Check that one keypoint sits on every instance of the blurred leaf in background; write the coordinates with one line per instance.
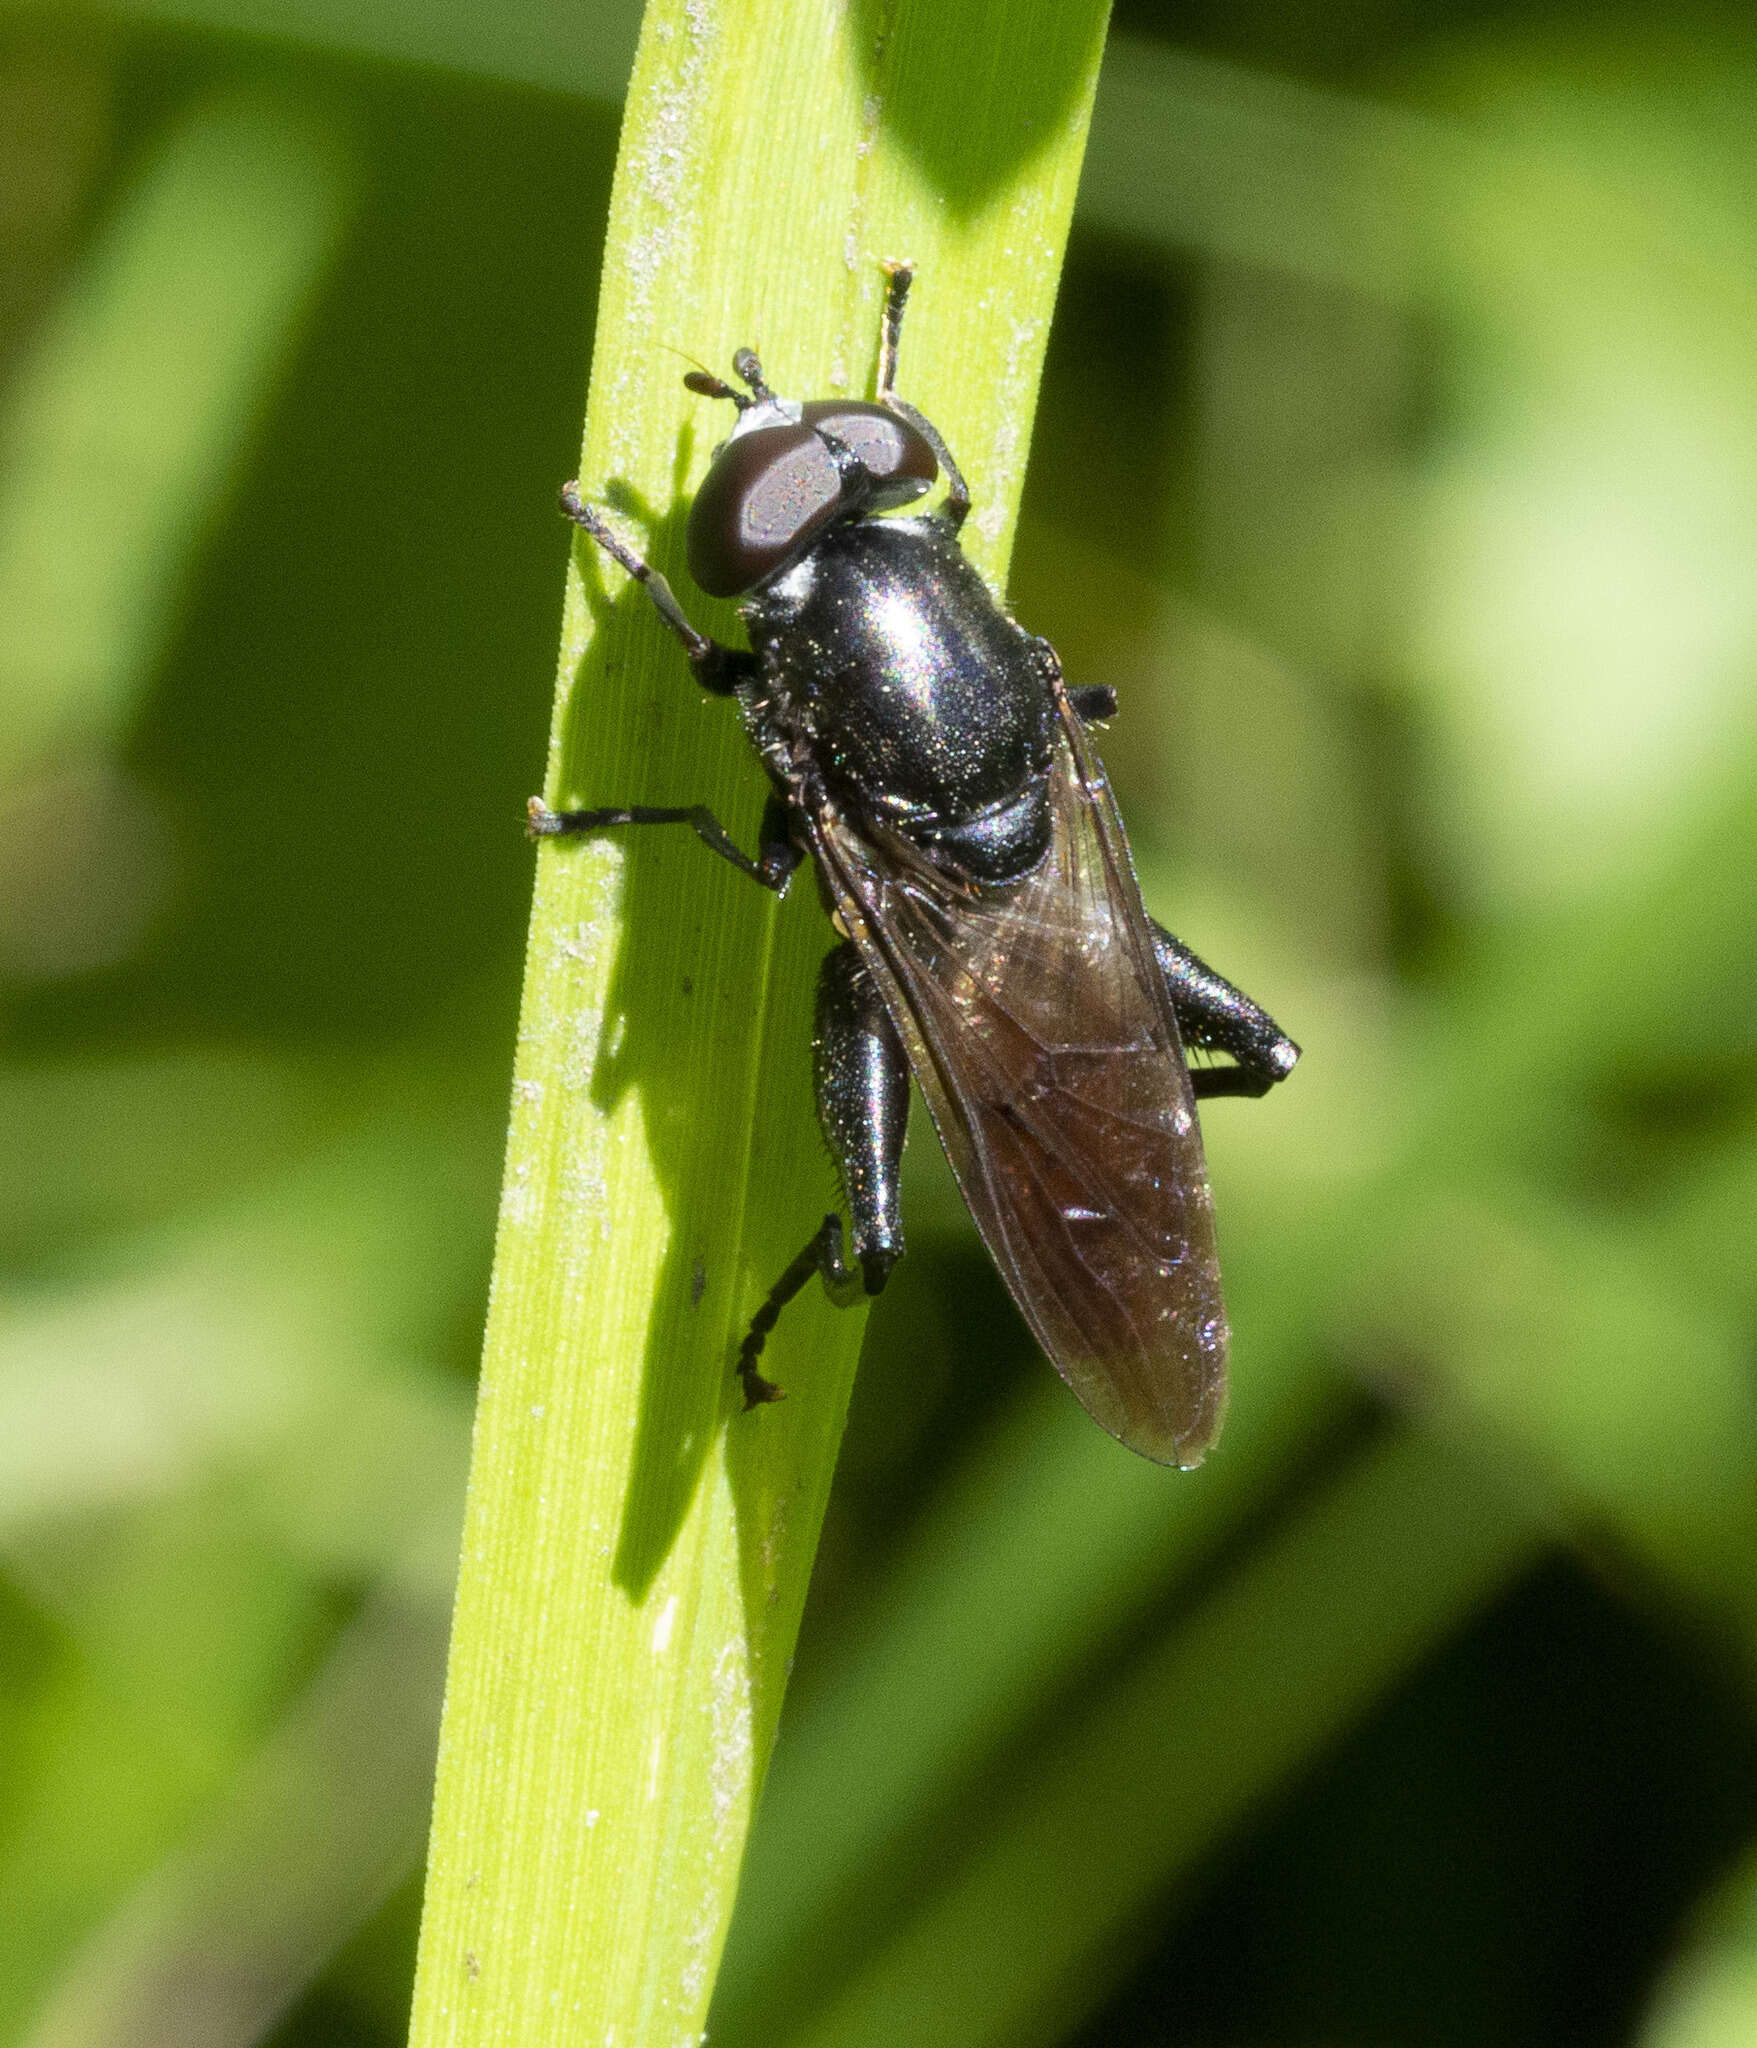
(1398, 462)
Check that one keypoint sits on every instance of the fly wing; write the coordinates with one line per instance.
(1038, 1026)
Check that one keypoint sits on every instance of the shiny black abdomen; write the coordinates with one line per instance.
(927, 707)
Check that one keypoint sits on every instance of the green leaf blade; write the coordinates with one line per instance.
(636, 1551)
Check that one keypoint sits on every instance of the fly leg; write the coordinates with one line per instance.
(823, 1254)
(1217, 1017)
(1093, 703)
(956, 504)
(862, 1078)
(717, 667)
(777, 856)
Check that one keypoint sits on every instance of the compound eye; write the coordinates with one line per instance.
(894, 454)
(768, 495)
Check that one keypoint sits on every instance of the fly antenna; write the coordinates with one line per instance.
(707, 385)
(701, 380)
(745, 365)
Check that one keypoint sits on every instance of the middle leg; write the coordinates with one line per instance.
(777, 856)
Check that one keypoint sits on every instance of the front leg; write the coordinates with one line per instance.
(862, 1079)
(717, 667)
(1217, 1017)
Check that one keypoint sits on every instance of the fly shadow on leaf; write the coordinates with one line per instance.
(683, 1029)
(969, 96)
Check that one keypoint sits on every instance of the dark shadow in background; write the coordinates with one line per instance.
(1504, 1853)
(353, 709)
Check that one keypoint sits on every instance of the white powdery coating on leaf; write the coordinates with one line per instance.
(579, 1055)
(698, 1950)
(580, 960)
(729, 1780)
(871, 113)
(515, 1195)
(1006, 451)
(730, 1705)
(601, 877)
(581, 942)
(585, 1194)
(583, 954)
(662, 170)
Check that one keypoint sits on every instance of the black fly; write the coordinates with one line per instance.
(924, 750)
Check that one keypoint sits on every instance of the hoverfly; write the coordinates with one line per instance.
(926, 753)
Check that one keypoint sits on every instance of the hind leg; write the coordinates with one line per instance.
(862, 1079)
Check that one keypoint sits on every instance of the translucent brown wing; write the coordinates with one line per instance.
(1038, 1027)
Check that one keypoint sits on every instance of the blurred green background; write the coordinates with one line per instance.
(1397, 461)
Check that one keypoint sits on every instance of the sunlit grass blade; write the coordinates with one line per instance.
(637, 1551)
(1708, 1996)
(306, 1838)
